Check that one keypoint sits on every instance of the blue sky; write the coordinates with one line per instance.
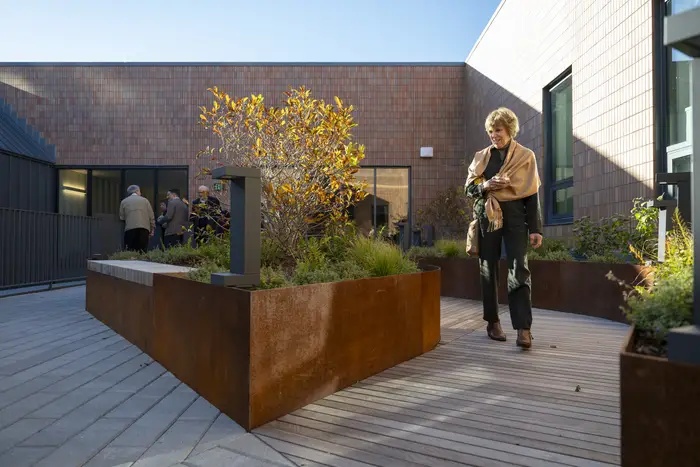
(238, 30)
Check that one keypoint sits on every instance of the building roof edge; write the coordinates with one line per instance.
(483, 33)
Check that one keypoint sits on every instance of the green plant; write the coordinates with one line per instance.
(555, 255)
(204, 271)
(270, 252)
(449, 213)
(634, 233)
(607, 258)
(425, 252)
(324, 259)
(451, 248)
(380, 258)
(647, 219)
(679, 249)
(312, 251)
(602, 237)
(667, 303)
(273, 278)
(126, 255)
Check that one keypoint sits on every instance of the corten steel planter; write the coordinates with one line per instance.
(568, 286)
(660, 410)
(259, 355)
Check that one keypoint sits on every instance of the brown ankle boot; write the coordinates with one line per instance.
(524, 338)
(495, 332)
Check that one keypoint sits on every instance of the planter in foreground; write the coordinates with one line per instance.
(660, 410)
(258, 355)
(568, 286)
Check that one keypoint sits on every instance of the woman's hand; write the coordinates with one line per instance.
(495, 184)
(536, 240)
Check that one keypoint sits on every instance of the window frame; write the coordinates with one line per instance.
(122, 169)
(665, 153)
(552, 186)
(374, 169)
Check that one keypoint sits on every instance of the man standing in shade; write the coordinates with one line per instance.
(137, 213)
(205, 212)
(174, 220)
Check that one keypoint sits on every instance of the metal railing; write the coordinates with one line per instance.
(44, 248)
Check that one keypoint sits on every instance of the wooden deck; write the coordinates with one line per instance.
(473, 401)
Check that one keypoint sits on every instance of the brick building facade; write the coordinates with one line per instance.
(584, 77)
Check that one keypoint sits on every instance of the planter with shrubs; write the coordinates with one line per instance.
(570, 279)
(660, 399)
(315, 325)
(559, 282)
(330, 310)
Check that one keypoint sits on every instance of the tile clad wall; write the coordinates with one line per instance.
(147, 115)
(608, 44)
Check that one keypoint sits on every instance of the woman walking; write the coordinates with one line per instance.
(503, 181)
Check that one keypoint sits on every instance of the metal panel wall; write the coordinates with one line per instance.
(41, 247)
(27, 184)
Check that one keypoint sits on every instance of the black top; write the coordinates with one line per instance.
(525, 210)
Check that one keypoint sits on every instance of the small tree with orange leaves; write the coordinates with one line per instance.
(304, 152)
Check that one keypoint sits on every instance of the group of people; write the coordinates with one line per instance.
(175, 220)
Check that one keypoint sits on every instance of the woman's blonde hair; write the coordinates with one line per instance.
(503, 117)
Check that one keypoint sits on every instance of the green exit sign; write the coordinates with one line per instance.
(218, 186)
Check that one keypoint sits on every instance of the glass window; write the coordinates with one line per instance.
(145, 179)
(363, 212)
(559, 151)
(562, 131)
(392, 198)
(384, 208)
(564, 201)
(678, 96)
(72, 196)
(172, 179)
(107, 192)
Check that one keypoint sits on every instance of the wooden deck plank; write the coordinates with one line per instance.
(473, 401)
(450, 421)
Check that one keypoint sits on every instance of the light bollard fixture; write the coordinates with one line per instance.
(244, 230)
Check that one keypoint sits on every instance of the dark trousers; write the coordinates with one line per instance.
(136, 239)
(172, 240)
(516, 239)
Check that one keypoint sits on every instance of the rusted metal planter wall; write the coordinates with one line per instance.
(569, 286)
(260, 355)
(659, 410)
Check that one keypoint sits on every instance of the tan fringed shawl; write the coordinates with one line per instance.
(520, 166)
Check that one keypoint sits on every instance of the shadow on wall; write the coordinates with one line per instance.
(601, 187)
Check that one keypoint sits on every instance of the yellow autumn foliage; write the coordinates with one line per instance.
(304, 150)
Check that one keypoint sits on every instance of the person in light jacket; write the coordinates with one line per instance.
(137, 214)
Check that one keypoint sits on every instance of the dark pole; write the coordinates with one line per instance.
(244, 227)
(682, 32)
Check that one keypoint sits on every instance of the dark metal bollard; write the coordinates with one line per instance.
(244, 227)
(681, 181)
